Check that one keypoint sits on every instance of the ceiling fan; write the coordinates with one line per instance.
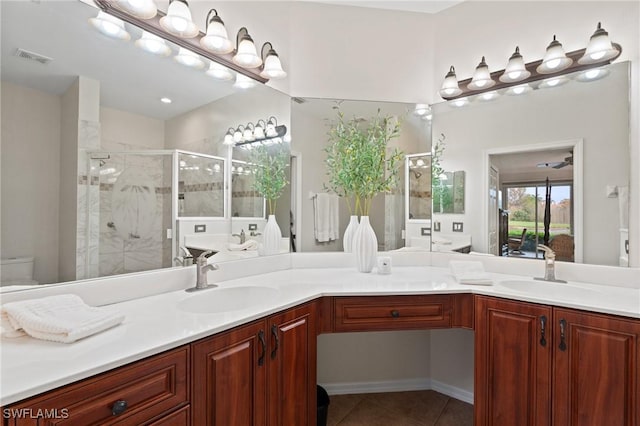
(568, 161)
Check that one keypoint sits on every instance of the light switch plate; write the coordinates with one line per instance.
(425, 231)
(436, 226)
(457, 226)
(200, 228)
(253, 227)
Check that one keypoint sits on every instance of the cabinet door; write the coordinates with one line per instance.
(596, 359)
(513, 363)
(292, 367)
(229, 378)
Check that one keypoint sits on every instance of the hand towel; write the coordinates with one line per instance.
(64, 318)
(469, 272)
(247, 245)
(326, 214)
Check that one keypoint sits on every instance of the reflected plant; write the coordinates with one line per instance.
(270, 172)
(359, 162)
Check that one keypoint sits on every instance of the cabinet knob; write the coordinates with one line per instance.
(119, 407)
(395, 314)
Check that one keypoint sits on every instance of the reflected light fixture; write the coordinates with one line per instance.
(143, 9)
(450, 86)
(219, 71)
(189, 59)
(216, 38)
(165, 100)
(488, 96)
(238, 133)
(553, 82)
(515, 70)
(519, 90)
(481, 77)
(255, 134)
(153, 44)
(272, 67)
(228, 137)
(271, 130)
(460, 102)
(258, 131)
(599, 48)
(243, 82)
(110, 26)
(421, 109)
(247, 135)
(246, 54)
(555, 59)
(592, 75)
(178, 20)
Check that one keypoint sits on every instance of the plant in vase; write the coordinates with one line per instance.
(360, 165)
(270, 178)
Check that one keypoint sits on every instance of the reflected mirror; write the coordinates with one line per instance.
(560, 153)
(94, 131)
(448, 193)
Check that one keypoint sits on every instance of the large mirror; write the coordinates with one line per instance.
(112, 157)
(559, 153)
(312, 120)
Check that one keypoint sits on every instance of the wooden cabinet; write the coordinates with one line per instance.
(141, 393)
(369, 313)
(260, 374)
(513, 363)
(538, 365)
(596, 376)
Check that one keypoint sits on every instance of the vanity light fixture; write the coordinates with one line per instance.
(272, 67)
(450, 88)
(256, 133)
(555, 60)
(481, 77)
(518, 76)
(216, 38)
(177, 26)
(599, 48)
(219, 71)
(153, 44)
(246, 54)
(515, 70)
(178, 20)
(110, 26)
(189, 59)
(143, 9)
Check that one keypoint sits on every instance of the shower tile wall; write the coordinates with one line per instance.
(245, 201)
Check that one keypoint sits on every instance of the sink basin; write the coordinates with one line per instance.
(549, 288)
(220, 300)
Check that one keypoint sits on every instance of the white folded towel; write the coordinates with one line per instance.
(469, 272)
(247, 245)
(64, 318)
(326, 214)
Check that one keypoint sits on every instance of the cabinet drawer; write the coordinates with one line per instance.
(181, 417)
(149, 387)
(392, 312)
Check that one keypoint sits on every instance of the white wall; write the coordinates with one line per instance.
(31, 136)
(121, 130)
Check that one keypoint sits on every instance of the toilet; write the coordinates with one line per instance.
(17, 271)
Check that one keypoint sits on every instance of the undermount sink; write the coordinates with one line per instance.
(229, 299)
(548, 288)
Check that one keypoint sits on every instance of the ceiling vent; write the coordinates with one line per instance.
(32, 56)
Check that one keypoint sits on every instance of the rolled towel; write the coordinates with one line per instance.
(64, 318)
(470, 272)
(247, 245)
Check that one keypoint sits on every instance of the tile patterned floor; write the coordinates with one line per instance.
(417, 408)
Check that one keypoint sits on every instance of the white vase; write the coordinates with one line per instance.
(365, 246)
(347, 239)
(271, 236)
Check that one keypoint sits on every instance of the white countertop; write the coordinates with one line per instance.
(156, 323)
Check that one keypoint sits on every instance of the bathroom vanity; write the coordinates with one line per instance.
(258, 366)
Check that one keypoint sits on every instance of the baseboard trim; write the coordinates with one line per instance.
(398, 386)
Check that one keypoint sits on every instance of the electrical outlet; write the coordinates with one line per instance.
(457, 226)
(199, 228)
(425, 232)
(253, 227)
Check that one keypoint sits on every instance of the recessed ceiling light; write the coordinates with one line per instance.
(165, 100)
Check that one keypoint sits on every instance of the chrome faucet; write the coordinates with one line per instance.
(242, 236)
(186, 259)
(549, 265)
(201, 272)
